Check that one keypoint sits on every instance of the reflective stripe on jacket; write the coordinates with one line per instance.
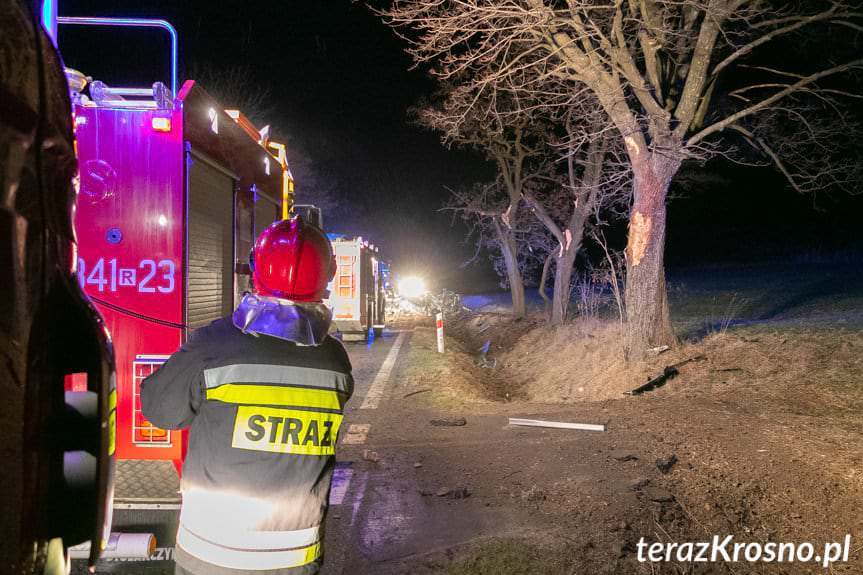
(265, 550)
(264, 417)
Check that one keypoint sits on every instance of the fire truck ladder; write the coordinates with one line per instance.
(346, 278)
(134, 23)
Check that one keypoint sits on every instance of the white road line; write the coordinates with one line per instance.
(341, 483)
(359, 494)
(357, 433)
(376, 390)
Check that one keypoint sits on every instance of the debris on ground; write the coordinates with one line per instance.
(484, 360)
(459, 493)
(443, 492)
(623, 455)
(405, 396)
(449, 422)
(666, 463)
(370, 455)
(533, 494)
(637, 484)
(657, 494)
(668, 373)
(417, 465)
(621, 549)
(659, 350)
(734, 487)
(556, 424)
(655, 383)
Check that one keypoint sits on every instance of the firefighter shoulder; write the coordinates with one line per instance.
(263, 393)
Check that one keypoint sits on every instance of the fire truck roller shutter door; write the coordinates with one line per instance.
(210, 246)
(266, 212)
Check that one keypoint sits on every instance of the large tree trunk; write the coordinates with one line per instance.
(564, 264)
(647, 315)
(509, 248)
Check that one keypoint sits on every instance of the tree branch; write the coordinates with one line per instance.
(543, 216)
(695, 78)
(830, 13)
(733, 118)
(770, 153)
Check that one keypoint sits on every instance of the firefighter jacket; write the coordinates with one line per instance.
(264, 416)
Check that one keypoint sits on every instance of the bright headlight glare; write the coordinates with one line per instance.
(412, 287)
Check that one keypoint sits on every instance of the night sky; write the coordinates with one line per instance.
(341, 88)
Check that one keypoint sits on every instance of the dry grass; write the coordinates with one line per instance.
(453, 379)
(806, 384)
(574, 362)
(812, 371)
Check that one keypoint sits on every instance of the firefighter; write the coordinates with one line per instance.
(262, 392)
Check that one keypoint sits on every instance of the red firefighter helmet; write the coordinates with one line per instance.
(292, 260)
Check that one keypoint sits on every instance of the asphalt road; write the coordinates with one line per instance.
(387, 515)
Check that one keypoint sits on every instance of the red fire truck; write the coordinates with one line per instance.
(173, 191)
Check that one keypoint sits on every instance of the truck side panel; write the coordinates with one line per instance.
(128, 223)
(130, 229)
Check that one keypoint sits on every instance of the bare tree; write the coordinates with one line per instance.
(510, 144)
(654, 67)
(517, 131)
(481, 206)
(592, 183)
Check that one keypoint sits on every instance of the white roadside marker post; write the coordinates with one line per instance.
(440, 345)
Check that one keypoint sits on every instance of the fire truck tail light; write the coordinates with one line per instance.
(161, 124)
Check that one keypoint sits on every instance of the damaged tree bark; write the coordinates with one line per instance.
(648, 320)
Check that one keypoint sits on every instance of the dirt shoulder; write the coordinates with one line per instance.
(765, 430)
